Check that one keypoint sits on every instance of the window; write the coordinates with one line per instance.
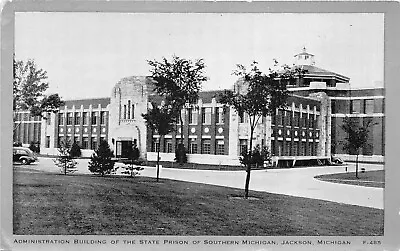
(85, 118)
(77, 118)
(124, 111)
(61, 118)
(168, 145)
(280, 117)
(206, 115)
(369, 106)
(103, 118)
(133, 111)
(206, 146)
(129, 109)
(155, 146)
(243, 145)
(220, 147)
(193, 146)
(356, 106)
(311, 121)
(296, 119)
(48, 118)
(192, 116)
(69, 118)
(68, 140)
(47, 142)
(85, 143)
(303, 120)
(94, 143)
(94, 118)
(219, 114)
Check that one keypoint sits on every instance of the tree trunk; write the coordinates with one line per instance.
(158, 157)
(357, 166)
(180, 160)
(248, 169)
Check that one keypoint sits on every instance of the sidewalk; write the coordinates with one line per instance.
(297, 182)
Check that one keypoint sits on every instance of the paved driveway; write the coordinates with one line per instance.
(298, 182)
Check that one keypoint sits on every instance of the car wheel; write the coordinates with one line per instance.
(24, 162)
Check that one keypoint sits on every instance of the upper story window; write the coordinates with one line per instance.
(69, 118)
(85, 118)
(369, 106)
(103, 117)
(219, 114)
(129, 109)
(133, 111)
(61, 118)
(124, 111)
(192, 116)
(77, 118)
(48, 118)
(206, 115)
(356, 106)
(94, 118)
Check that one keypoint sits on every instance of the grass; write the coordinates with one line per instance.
(367, 179)
(48, 203)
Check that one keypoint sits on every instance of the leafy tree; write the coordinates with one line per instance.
(101, 161)
(76, 150)
(160, 119)
(64, 159)
(357, 137)
(29, 86)
(263, 95)
(179, 82)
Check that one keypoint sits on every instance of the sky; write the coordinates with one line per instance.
(86, 54)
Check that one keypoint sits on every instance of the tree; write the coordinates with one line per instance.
(160, 119)
(179, 82)
(263, 95)
(29, 86)
(131, 166)
(357, 137)
(76, 150)
(64, 159)
(101, 161)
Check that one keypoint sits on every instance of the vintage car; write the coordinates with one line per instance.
(24, 155)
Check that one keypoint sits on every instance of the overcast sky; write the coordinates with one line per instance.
(85, 54)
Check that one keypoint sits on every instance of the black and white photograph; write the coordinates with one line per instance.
(261, 128)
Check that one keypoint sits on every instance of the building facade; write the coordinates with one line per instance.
(214, 134)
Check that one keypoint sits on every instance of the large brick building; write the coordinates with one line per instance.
(309, 126)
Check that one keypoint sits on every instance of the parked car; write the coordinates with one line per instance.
(336, 161)
(24, 155)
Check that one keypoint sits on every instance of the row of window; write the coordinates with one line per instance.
(206, 114)
(129, 111)
(205, 147)
(293, 148)
(84, 144)
(295, 119)
(76, 118)
(358, 106)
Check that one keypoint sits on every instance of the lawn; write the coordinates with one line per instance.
(49, 203)
(368, 179)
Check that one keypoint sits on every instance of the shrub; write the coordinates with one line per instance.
(258, 156)
(180, 154)
(34, 146)
(76, 150)
(101, 161)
